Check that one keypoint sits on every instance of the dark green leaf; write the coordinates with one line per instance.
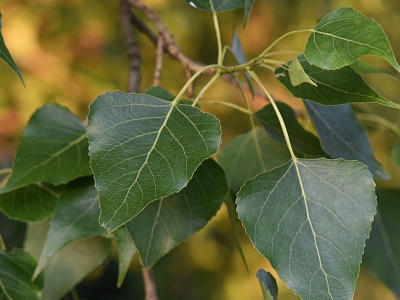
(6, 56)
(382, 253)
(310, 218)
(363, 68)
(144, 148)
(15, 276)
(268, 285)
(160, 92)
(165, 223)
(53, 148)
(250, 154)
(396, 153)
(75, 217)
(34, 202)
(344, 35)
(334, 86)
(126, 250)
(221, 5)
(342, 136)
(302, 140)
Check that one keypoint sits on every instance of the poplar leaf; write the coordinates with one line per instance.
(126, 250)
(268, 285)
(297, 75)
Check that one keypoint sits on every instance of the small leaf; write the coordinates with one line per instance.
(144, 148)
(6, 56)
(334, 86)
(310, 218)
(396, 153)
(75, 217)
(165, 223)
(297, 75)
(268, 285)
(53, 148)
(363, 68)
(15, 276)
(221, 5)
(344, 35)
(382, 253)
(241, 59)
(250, 154)
(72, 264)
(34, 202)
(342, 136)
(126, 250)
(302, 140)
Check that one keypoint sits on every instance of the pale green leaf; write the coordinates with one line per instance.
(126, 250)
(344, 35)
(165, 223)
(297, 75)
(16, 270)
(53, 148)
(334, 86)
(310, 218)
(144, 148)
(250, 154)
(268, 285)
(75, 217)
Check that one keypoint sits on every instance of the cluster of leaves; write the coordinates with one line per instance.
(307, 206)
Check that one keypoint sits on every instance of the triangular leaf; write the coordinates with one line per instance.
(126, 250)
(342, 136)
(302, 140)
(53, 148)
(165, 223)
(344, 35)
(268, 285)
(334, 86)
(297, 75)
(144, 148)
(382, 253)
(250, 154)
(310, 218)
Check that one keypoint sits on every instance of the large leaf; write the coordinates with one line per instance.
(333, 86)
(34, 202)
(75, 217)
(342, 136)
(344, 35)
(301, 140)
(167, 222)
(250, 154)
(382, 253)
(6, 56)
(144, 148)
(268, 285)
(53, 148)
(126, 250)
(310, 218)
(15, 276)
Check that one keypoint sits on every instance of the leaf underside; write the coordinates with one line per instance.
(268, 285)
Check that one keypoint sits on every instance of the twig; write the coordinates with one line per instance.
(159, 54)
(149, 284)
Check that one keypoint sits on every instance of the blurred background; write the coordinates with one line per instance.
(71, 51)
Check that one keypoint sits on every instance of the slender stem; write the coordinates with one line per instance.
(149, 284)
(218, 34)
(206, 87)
(379, 120)
(159, 55)
(278, 114)
(246, 100)
(231, 105)
(282, 52)
(5, 171)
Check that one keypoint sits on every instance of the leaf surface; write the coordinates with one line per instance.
(297, 75)
(15, 276)
(342, 136)
(53, 148)
(344, 35)
(165, 223)
(250, 154)
(310, 218)
(382, 253)
(126, 250)
(333, 86)
(268, 285)
(221, 5)
(144, 148)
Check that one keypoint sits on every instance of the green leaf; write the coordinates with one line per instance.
(126, 250)
(72, 264)
(363, 68)
(75, 217)
(382, 253)
(238, 53)
(268, 285)
(6, 56)
(302, 140)
(310, 218)
(297, 75)
(165, 223)
(248, 4)
(15, 276)
(344, 35)
(334, 86)
(221, 5)
(396, 153)
(342, 136)
(250, 154)
(144, 148)
(53, 148)
(160, 92)
(34, 202)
